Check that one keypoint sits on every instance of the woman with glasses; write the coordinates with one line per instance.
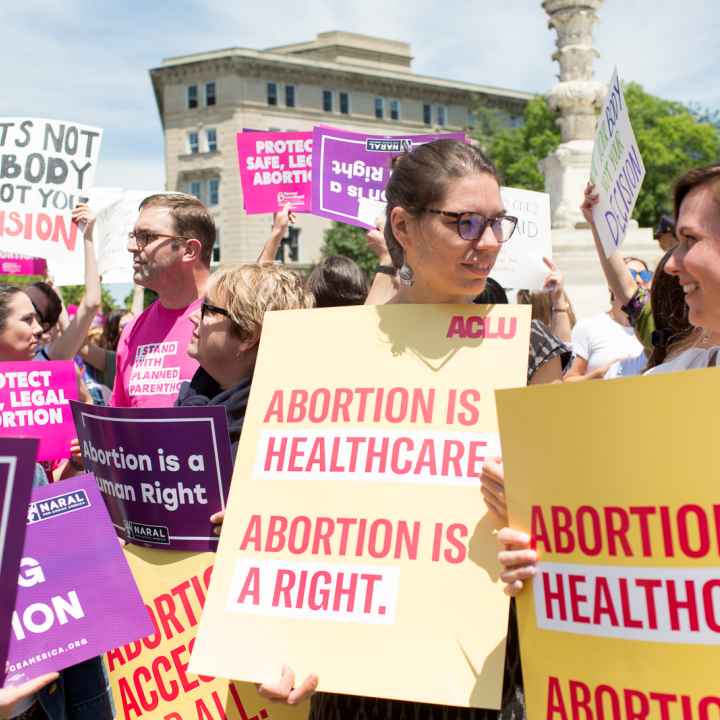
(445, 226)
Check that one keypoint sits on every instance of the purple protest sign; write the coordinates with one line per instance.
(76, 597)
(275, 170)
(34, 403)
(17, 467)
(162, 472)
(350, 167)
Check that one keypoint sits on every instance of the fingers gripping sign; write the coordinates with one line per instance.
(285, 690)
(517, 558)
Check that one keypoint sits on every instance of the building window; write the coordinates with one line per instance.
(211, 135)
(327, 100)
(210, 97)
(290, 96)
(195, 189)
(344, 103)
(272, 93)
(441, 115)
(216, 248)
(192, 98)
(379, 108)
(289, 250)
(193, 146)
(470, 119)
(427, 114)
(394, 109)
(213, 194)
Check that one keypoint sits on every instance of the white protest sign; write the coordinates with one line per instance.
(520, 262)
(617, 169)
(46, 168)
(112, 225)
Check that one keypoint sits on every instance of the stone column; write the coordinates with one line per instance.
(578, 98)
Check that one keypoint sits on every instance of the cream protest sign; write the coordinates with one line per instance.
(356, 544)
(150, 677)
(46, 168)
(622, 619)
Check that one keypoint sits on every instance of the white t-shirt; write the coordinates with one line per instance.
(691, 359)
(599, 340)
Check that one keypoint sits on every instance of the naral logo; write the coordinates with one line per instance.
(158, 534)
(396, 145)
(58, 505)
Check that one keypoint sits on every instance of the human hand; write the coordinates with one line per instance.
(517, 558)
(282, 219)
(83, 215)
(76, 458)
(10, 696)
(492, 487)
(590, 200)
(376, 241)
(217, 519)
(285, 691)
(554, 282)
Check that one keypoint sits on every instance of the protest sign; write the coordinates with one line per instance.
(76, 597)
(47, 167)
(627, 533)
(520, 263)
(17, 467)
(348, 166)
(112, 225)
(34, 402)
(161, 472)
(617, 169)
(355, 518)
(14, 264)
(150, 677)
(275, 169)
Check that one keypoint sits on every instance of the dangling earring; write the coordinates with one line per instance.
(406, 275)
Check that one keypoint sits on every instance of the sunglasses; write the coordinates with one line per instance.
(207, 307)
(471, 226)
(644, 275)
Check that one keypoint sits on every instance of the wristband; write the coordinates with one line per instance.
(387, 270)
(561, 309)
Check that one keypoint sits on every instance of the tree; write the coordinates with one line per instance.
(72, 295)
(149, 297)
(350, 241)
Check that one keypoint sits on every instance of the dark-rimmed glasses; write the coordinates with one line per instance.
(143, 238)
(471, 225)
(207, 307)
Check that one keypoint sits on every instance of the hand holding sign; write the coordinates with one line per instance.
(285, 691)
(11, 696)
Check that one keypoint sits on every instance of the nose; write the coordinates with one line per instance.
(487, 240)
(676, 262)
(132, 245)
(195, 318)
(36, 327)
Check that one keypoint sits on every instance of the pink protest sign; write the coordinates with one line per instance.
(34, 402)
(275, 169)
(10, 265)
(76, 597)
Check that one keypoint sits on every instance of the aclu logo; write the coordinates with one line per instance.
(57, 505)
(394, 145)
(157, 534)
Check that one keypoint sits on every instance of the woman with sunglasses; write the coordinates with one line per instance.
(445, 226)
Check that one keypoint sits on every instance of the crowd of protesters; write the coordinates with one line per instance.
(438, 242)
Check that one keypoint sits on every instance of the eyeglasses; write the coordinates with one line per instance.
(471, 226)
(206, 308)
(142, 238)
(644, 275)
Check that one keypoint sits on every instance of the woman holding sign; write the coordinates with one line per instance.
(445, 226)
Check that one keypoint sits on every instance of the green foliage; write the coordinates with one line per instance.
(73, 294)
(671, 140)
(351, 242)
(149, 297)
(517, 152)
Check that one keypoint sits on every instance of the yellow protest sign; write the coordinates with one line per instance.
(356, 543)
(150, 677)
(617, 483)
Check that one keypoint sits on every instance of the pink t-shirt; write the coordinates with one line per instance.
(152, 359)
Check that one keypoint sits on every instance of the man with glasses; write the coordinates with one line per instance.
(171, 246)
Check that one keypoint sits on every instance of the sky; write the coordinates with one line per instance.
(88, 61)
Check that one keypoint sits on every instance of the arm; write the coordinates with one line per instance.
(618, 277)
(384, 286)
(281, 221)
(94, 355)
(73, 337)
(10, 696)
(554, 285)
(548, 372)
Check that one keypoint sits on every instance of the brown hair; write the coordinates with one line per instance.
(709, 174)
(6, 292)
(420, 178)
(251, 290)
(337, 281)
(541, 303)
(191, 219)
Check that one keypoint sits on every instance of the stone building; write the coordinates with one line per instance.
(343, 79)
